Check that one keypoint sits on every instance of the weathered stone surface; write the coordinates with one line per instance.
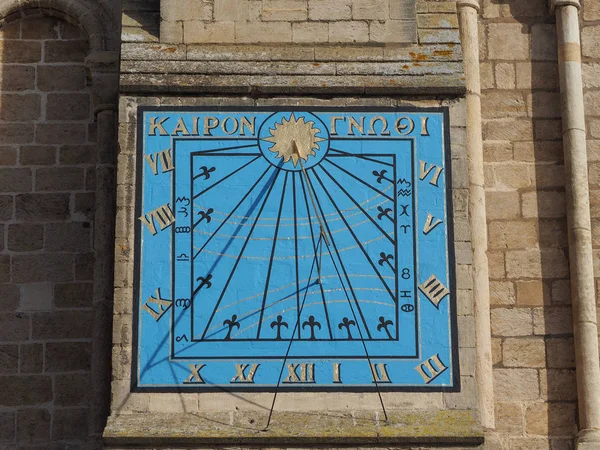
(516, 384)
(512, 322)
(33, 425)
(42, 207)
(25, 390)
(524, 352)
(67, 356)
(554, 419)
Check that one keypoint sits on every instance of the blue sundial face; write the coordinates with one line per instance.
(305, 249)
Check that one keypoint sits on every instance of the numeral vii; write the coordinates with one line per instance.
(165, 158)
(163, 215)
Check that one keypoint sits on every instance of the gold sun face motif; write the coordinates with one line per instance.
(294, 139)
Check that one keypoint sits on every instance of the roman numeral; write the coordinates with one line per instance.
(161, 305)
(431, 368)
(195, 377)
(379, 373)
(241, 377)
(307, 373)
(425, 171)
(430, 224)
(165, 158)
(434, 290)
(163, 215)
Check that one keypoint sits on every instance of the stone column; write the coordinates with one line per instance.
(104, 73)
(585, 328)
(468, 12)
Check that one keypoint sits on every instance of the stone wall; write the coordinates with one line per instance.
(47, 182)
(534, 376)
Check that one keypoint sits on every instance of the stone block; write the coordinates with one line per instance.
(77, 154)
(509, 417)
(502, 204)
(524, 352)
(433, 21)
(37, 155)
(544, 42)
(514, 129)
(72, 389)
(502, 293)
(511, 322)
(171, 10)
(533, 293)
(227, 10)
(10, 294)
(591, 74)
(9, 359)
(16, 133)
(173, 403)
(42, 267)
(171, 32)
(497, 265)
(551, 419)
(348, 32)
(32, 358)
(61, 133)
(590, 36)
(547, 129)
(40, 28)
(439, 36)
(33, 425)
(284, 10)
(405, 9)
(265, 32)
(84, 266)
(591, 10)
(553, 320)
(42, 207)
(371, 10)
(508, 41)
(558, 385)
(310, 32)
(70, 237)
(512, 234)
(505, 76)
(8, 156)
(17, 78)
(553, 233)
(25, 237)
(537, 263)
(392, 31)
(73, 295)
(539, 151)
(67, 356)
(59, 179)
(68, 424)
(544, 204)
(561, 353)
(516, 384)
(25, 390)
(7, 426)
(36, 297)
(496, 351)
(61, 77)
(68, 106)
(561, 292)
(14, 327)
(330, 10)
(21, 52)
(501, 104)
(497, 151)
(210, 32)
(65, 51)
(15, 180)
(5, 267)
(537, 75)
(486, 72)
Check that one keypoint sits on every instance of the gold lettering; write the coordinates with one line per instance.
(430, 224)
(427, 370)
(154, 125)
(379, 372)
(353, 123)
(424, 171)
(337, 367)
(180, 128)
(307, 373)
(165, 158)
(249, 124)
(195, 377)
(334, 121)
(384, 127)
(434, 290)
(240, 375)
(163, 215)
(424, 129)
(195, 131)
(236, 125)
(162, 305)
(402, 128)
(210, 123)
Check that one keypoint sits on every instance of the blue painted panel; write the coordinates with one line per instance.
(294, 248)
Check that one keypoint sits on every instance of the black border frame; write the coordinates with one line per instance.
(445, 110)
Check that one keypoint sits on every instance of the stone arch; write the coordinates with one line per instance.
(97, 21)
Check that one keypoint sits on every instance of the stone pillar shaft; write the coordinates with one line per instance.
(468, 11)
(580, 237)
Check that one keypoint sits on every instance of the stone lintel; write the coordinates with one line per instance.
(302, 429)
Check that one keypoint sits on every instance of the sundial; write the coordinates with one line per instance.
(294, 249)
